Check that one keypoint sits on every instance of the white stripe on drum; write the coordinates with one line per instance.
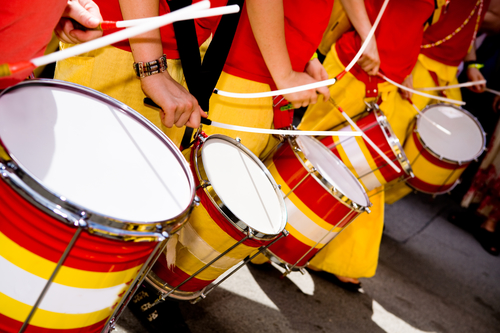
(26, 287)
(358, 161)
(189, 238)
(306, 226)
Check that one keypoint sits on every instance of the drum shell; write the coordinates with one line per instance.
(96, 272)
(435, 174)
(209, 232)
(377, 172)
(432, 175)
(323, 212)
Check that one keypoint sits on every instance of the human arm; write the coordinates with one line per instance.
(473, 73)
(178, 106)
(407, 82)
(267, 21)
(356, 11)
(85, 12)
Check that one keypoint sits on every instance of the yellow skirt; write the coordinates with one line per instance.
(109, 70)
(354, 253)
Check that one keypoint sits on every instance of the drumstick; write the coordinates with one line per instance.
(465, 84)
(428, 119)
(108, 25)
(178, 15)
(315, 85)
(205, 121)
(400, 86)
(494, 92)
(365, 137)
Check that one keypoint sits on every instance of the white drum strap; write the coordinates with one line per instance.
(358, 161)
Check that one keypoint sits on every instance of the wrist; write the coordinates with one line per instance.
(147, 68)
(473, 64)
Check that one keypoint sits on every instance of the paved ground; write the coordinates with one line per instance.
(432, 277)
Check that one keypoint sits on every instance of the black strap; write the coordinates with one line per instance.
(202, 78)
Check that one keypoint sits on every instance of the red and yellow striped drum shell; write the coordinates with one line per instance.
(438, 159)
(322, 198)
(364, 162)
(76, 165)
(236, 193)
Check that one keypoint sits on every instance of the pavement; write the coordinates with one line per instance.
(433, 276)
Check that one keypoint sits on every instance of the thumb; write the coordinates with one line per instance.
(88, 17)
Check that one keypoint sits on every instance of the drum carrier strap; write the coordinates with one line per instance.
(201, 78)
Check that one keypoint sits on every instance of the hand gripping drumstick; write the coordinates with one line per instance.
(314, 85)
(365, 137)
(149, 102)
(178, 15)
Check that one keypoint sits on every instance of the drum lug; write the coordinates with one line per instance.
(285, 232)
(238, 139)
(279, 186)
(250, 233)
(204, 183)
(459, 162)
(196, 201)
(302, 271)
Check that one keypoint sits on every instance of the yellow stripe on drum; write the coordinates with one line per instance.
(425, 170)
(201, 240)
(47, 319)
(67, 276)
(297, 202)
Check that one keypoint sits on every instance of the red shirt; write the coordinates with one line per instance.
(454, 50)
(110, 11)
(305, 22)
(398, 36)
(25, 31)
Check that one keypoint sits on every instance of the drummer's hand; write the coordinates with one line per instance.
(475, 74)
(408, 82)
(301, 98)
(370, 59)
(178, 106)
(85, 12)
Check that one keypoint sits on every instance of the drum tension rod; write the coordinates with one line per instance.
(244, 262)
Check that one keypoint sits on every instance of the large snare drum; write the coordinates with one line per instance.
(241, 210)
(90, 190)
(438, 159)
(364, 162)
(322, 198)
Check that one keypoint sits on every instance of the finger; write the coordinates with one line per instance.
(325, 91)
(167, 118)
(194, 119)
(183, 119)
(77, 12)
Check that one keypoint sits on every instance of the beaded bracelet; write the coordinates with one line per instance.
(143, 69)
(473, 64)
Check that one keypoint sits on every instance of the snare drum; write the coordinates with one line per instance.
(241, 210)
(364, 162)
(322, 198)
(90, 190)
(438, 159)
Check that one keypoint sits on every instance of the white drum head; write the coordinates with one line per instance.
(93, 154)
(332, 169)
(466, 141)
(243, 186)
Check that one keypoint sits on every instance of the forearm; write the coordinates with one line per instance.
(268, 25)
(147, 46)
(356, 12)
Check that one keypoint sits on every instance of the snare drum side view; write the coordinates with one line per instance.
(322, 198)
(74, 163)
(362, 160)
(438, 159)
(241, 211)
